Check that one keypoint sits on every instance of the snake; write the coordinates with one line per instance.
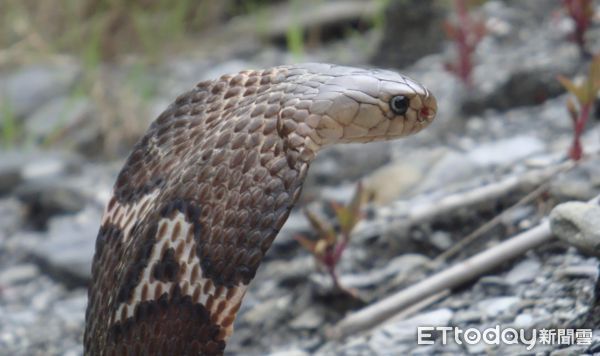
(207, 188)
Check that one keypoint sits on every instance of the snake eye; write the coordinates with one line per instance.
(399, 104)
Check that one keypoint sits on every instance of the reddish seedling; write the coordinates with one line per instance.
(581, 103)
(582, 13)
(330, 241)
(466, 32)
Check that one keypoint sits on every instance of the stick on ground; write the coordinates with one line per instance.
(449, 278)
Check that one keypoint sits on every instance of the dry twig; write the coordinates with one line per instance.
(450, 278)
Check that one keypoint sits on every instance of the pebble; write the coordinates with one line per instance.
(506, 151)
(309, 319)
(68, 247)
(18, 274)
(26, 89)
(578, 224)
(60, 116)
(493, 307)
(524, 271)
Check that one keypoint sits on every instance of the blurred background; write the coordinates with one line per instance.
(81, 80)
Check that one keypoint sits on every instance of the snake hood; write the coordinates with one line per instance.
(208, 187)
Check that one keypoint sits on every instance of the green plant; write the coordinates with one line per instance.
(330, 242)
(580, 109)
(9, 127)
(294, 35)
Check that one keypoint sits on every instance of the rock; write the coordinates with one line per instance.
(399, 177)
(18, 274)
(524, 271)
(294, 352)
(12, 216)
(412, 30)
(513, 72)
(578, 224)
(523, 321)
(494, 285)
(61, 119)
(24, 90)
(392, 334)
(11, 166)
(579, 183)
(309, 319)
(493, 307)
(323, 19)
(68, 247)
(523, 88)
(449, 170)
(442, 240)
(335, 164)
(400, 267)
(48, 197)
(570, 350)
(466, 317)
(505, 152)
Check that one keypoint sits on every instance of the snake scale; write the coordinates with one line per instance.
(206, 190)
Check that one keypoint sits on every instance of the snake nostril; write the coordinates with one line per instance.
(426, 113)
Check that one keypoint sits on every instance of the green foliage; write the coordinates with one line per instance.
(295, 35)
(585, 94)
(8, 127)
(379, 18)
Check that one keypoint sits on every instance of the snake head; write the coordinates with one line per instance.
(361, 105)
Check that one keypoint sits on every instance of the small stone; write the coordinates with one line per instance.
(49, 197)
(578, 224)
(308, 320)
(494, 307)
(524, 321)
(18, 274)
(66, 253)
(12, 216)
(294, 352)
(524, 271)
(466, 317)
(494, 285)
(392, 333)
(505, 152)
(26, 89)
(59, 116)
(441, 240)
(11, 166)
(571, 350)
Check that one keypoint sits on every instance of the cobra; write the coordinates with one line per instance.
(206, 190)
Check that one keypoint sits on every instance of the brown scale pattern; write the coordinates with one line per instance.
(197, 205)
(215, 150)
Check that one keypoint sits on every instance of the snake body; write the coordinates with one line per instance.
(206, 190)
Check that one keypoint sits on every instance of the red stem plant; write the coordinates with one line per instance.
(581, 12)
(580, 109)
(466, 33)
(330, 243)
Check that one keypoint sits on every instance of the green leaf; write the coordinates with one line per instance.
(594, 75)
(308, 244)
(569, 85)
(324, 230)
(348, 216)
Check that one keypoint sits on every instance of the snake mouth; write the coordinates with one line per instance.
(428, 111)
(426, 114)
